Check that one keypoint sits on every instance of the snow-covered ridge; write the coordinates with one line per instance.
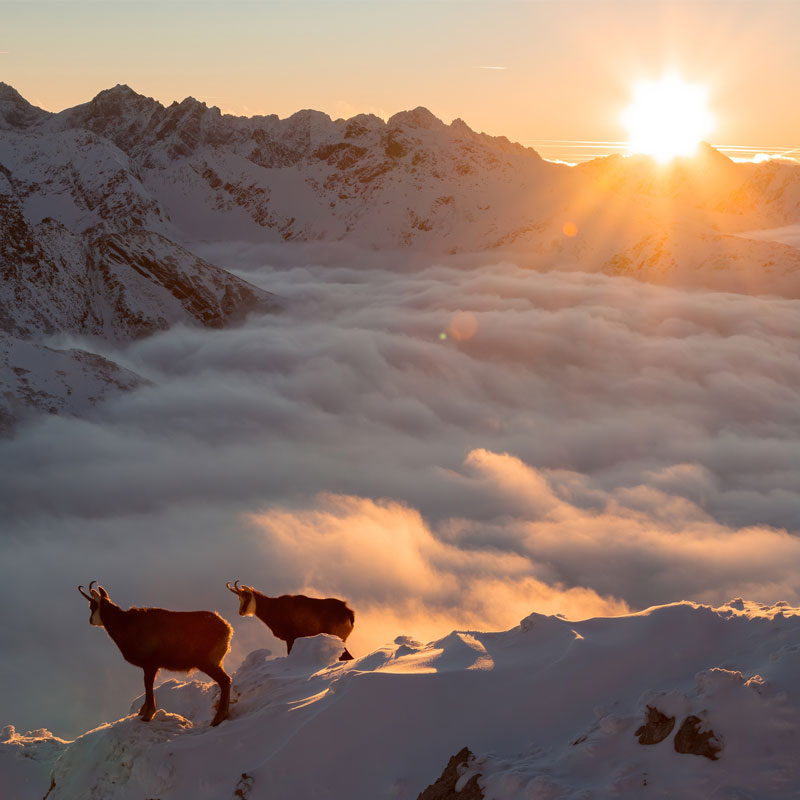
(552, 708)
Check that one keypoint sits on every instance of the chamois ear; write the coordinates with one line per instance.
(103, 592)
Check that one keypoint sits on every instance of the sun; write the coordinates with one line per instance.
(668, 118)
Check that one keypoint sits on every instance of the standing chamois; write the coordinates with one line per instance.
(292, 616)
(154, 638)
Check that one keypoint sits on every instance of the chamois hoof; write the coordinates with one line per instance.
(147, 714)
(216, 721)
(346, 656)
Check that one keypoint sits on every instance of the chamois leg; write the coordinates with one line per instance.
(289, 643)
(148, 709)
(224, 680)
(348, 629)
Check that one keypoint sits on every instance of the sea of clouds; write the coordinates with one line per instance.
(444, 444)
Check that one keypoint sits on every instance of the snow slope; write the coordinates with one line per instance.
(550, 707)
(56, 381)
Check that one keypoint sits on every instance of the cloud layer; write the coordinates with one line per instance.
(443, 444)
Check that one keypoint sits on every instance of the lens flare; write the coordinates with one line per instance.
(463, 326)
(667, 118)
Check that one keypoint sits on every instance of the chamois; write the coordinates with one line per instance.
(154, 638)
(292, 616)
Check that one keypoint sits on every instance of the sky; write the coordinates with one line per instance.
(553, 75)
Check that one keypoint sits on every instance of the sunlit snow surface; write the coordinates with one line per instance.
(549, 707)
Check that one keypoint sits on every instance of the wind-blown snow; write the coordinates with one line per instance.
(550, 707)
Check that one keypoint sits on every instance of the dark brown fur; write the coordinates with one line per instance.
(154, 639)
(292, 616)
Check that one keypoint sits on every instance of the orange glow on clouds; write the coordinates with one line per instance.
(404, 576)
(401, 578)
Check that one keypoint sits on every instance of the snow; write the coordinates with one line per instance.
(77, 178)
(56, 381)
(549, 708)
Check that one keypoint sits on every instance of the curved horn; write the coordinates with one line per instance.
(231, 589)
(91, 585)
(87, 596)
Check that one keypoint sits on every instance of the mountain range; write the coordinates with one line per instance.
(103, 204)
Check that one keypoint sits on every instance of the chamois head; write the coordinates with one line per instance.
(94, 597)
(247, 598)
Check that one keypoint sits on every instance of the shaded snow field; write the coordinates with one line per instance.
(444, 445)
(550, 708)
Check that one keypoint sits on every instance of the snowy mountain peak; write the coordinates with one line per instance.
(459, 126)
(10, 93)
(116, 99)
(308, 116)
(108, 114)
(706, 151)
(16, 113)
(189, 103)
(119, 90)
(419, 117)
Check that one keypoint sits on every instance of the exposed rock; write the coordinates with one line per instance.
(656, 727)
(444, 788)
(691, 739)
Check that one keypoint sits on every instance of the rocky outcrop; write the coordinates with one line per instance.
(692, 739)
(656, 727)
(444, 788)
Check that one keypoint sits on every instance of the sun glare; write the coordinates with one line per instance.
(667, 118)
